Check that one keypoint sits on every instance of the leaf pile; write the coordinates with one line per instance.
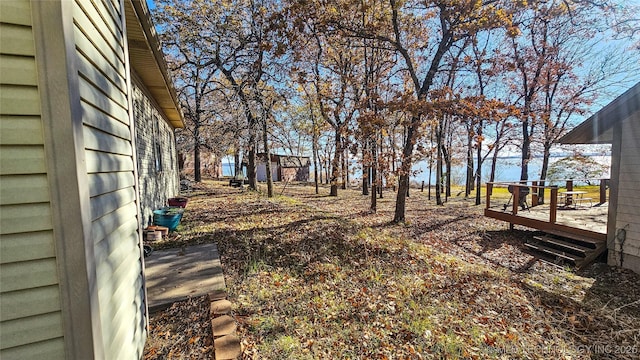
(316, 277)
(182, 331)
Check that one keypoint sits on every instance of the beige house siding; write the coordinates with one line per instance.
(30, 308)
(110, 167)
(158, 173)
(625, 248)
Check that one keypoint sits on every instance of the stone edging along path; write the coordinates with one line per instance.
(223, 326)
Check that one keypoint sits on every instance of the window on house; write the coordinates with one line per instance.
(173, 152)
(158, 156)
(157, 149)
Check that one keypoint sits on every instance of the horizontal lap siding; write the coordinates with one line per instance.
(17, 39)
(102, 121)
(30, 310)
(47, 349)
(21, 189)
(628, 212)
(110, 170)
(104, 183)
(30, 330)
(26, 130)
(156, 184)
(26, 246)
(12, 67)
(18, 304)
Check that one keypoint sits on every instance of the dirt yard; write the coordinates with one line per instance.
(319, 277)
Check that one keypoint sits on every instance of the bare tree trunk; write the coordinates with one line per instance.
(237, 165)
(251, 167)
(320, 168)
(544, 170)
(180, 162)
(197, 175)
(374, 176)
(479, 164)
(526, 148)
(392, 144)
(403, 183)
(314, 150)
(494, 165)
(196, 153)
(469, 181)
(447, 153)
(439, 165)
(335, 166)
(429, 180)
(365, 168)
(267, 155)
(327, 169)
(345, 167)
(447, 159)
(380, 171)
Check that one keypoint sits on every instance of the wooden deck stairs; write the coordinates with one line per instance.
(563, 247)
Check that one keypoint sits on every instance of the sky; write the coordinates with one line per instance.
(608, 96)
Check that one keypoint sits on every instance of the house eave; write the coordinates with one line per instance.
(147, 59)
(598, 128)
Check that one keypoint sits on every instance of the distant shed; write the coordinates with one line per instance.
(618, 124)
(284, 168)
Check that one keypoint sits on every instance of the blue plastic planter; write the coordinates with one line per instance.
(168, 216)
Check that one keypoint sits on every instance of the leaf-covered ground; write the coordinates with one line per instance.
(182, 331)
(319, 277)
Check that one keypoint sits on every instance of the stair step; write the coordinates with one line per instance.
(575, 258)
(584, 239)
(565, 244)
(593, 255)
(560, 263)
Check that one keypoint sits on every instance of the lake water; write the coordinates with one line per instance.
(507, 169)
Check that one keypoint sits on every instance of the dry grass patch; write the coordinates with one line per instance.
(315, 277)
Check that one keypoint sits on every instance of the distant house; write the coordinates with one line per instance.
(618, 124)
(284, 168)
(87, 113)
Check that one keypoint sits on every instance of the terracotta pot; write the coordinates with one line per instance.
(152, 236)
(162, 229)
(178, 201)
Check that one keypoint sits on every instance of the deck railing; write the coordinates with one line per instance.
(539, 189)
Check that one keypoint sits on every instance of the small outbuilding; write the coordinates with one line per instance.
(284, 167)
(618, 124)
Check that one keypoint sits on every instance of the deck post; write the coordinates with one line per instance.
(516, 199)
(570, 185)
(534, 194)
(553, 207)
(603, 190)
(568, 200)
(541, 189)
(489, 190)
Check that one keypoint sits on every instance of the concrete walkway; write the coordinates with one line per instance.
(177, 274)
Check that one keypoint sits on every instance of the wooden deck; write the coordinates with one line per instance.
(585, 221)
(577, 232)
